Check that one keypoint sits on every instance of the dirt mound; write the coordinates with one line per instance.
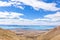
(8, 35)
(57, 34)
(53, 34)
(56, 38)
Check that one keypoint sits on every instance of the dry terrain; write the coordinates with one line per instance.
(53, 34)
(29, 34)
(8, 35)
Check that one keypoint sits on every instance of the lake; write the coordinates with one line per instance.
(38, 27)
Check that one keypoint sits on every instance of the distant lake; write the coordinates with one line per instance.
(26, 26)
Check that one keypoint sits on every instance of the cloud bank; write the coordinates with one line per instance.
(15, 19)
(9, 15)
(32, 3)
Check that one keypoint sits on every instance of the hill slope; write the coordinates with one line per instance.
(53, 34)
(7, 35)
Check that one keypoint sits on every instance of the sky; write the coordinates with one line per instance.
(30, 12)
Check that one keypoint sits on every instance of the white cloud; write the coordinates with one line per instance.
(54, 17)
(5, 3)
(9, 4)
(8, 19)
(39, 19)
(34, 3)
(10, 15)
(20, 22)
(39, 4)
(50, 19)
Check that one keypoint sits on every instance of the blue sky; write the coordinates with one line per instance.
(30, 12)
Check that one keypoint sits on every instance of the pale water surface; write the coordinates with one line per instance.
(38, 27)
